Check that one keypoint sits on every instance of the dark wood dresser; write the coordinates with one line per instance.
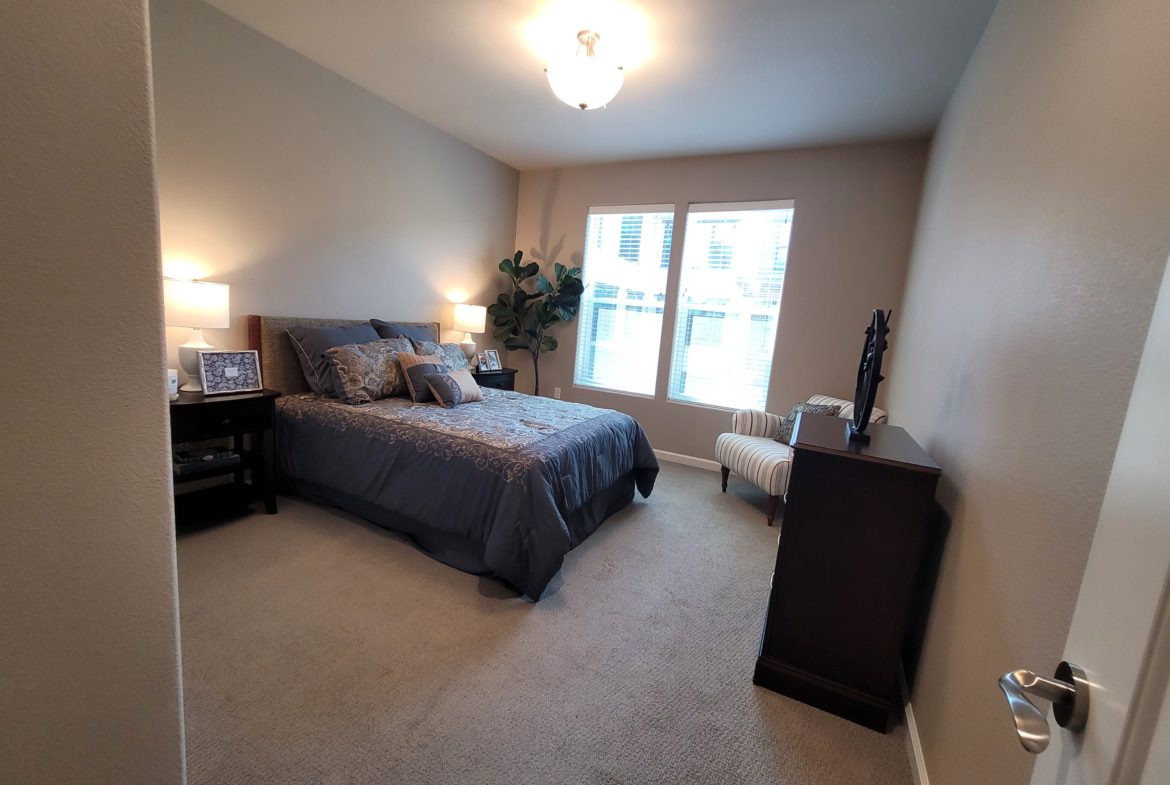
(849, 568)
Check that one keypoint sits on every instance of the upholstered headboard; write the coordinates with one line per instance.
(279, 367)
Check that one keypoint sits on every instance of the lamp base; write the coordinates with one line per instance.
(468, 347)
(189, 360)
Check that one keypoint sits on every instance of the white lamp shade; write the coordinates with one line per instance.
(470, 318)
(196, 304)
(585, 81)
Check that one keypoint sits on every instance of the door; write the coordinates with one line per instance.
(1120, 633)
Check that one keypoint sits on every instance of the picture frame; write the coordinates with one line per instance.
(493, 360)
(230, 371)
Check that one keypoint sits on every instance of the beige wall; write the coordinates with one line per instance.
(1044, 232)
(851, 238)
(89, 660)
(307, 194)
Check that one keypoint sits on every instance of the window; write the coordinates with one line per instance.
(729, 302)
(620, 320)
(730, 281)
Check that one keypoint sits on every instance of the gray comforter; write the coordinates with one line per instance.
(506, 486)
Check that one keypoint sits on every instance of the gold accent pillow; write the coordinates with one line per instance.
(415, 367)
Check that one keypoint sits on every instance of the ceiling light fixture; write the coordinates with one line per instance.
(585, 80)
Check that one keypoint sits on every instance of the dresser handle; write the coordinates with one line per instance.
(226, 421)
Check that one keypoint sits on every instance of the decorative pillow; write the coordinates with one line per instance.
(310, 344)
(368, 371)
(454, 387)
(417, 332)
(415, 367)
(450, 353)
(468, 384)
(785, 435)
(445, 389)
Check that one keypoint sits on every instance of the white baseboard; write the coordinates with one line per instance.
(913, 743)
(687, 460)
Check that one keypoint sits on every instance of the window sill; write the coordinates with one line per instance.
(711, 406)
(677, 401)
(612, 391)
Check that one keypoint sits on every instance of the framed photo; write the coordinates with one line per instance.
(225, 372)
(493, 360)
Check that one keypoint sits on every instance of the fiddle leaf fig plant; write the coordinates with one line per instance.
(535, 303)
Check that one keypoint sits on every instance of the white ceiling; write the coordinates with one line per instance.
(715, 77)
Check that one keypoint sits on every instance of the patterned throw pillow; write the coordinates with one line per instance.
(368, 371)
(415, 367)
(445, 389)
(450, 353)
(467, 385)
(785, 435)
(453, 388)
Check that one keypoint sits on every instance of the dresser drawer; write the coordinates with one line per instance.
(497, 380)
(220, 419)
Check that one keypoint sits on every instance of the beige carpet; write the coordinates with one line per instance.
(317, 649)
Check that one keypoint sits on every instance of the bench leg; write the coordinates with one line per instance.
(773, 503)
(724, 471)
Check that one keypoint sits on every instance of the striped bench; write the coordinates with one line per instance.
(752, 452)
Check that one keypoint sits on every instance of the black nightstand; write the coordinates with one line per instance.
(196, 418)
(503, 379)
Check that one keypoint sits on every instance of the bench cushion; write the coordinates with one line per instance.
(760, 460)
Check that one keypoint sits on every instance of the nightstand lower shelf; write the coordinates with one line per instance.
(248, 460)
(217, 502)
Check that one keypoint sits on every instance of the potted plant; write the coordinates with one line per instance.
(523, 316)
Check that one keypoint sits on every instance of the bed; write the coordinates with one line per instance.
(504, 487)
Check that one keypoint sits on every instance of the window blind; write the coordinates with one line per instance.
(620, 320)
(732, 276)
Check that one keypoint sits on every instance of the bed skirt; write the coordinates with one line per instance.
(456, 551)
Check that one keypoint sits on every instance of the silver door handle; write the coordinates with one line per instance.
(1067, 691)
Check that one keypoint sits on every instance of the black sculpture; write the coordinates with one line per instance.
(869, 375)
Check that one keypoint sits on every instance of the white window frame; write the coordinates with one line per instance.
(716, 207)
(582, 340)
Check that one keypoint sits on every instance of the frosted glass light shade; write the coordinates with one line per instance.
(470, 318)
(585, 80)
(196, 304)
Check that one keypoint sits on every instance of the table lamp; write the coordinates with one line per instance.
(195, 304)
(469, 319)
